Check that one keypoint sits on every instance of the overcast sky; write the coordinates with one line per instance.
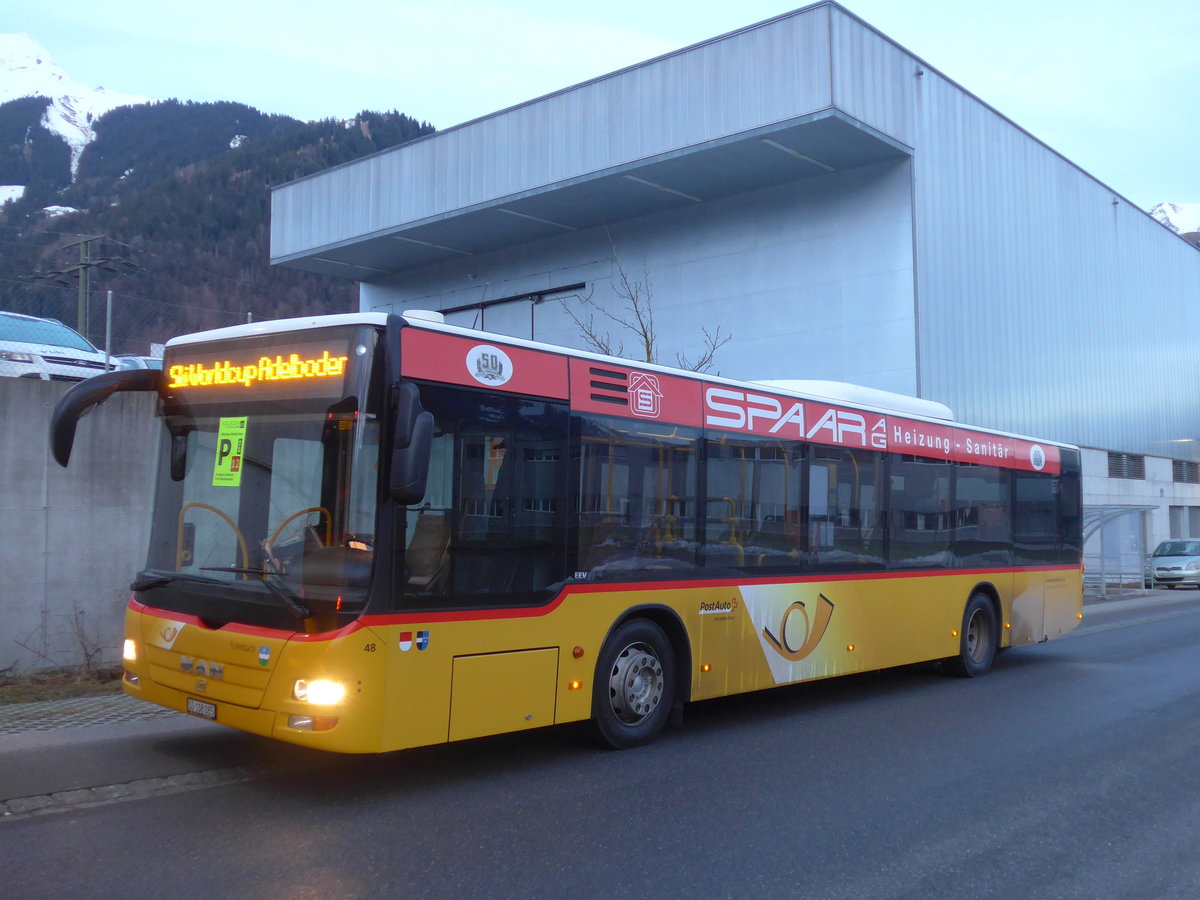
(1114, 86)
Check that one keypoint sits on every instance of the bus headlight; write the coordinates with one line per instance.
(319, 692)
(129, 652)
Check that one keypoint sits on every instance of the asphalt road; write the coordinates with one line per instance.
(1070, 771)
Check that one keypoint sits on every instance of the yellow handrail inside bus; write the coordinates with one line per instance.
(304, 512)
(228, 521)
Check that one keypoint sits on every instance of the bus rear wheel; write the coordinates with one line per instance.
(976, 639)
(634, 686)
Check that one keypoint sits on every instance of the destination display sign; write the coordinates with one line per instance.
(259, 369)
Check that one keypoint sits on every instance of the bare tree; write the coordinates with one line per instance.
(636, 315)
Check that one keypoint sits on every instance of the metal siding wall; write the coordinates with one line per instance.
(1045, 300)
(1042, 306)
(751, 78)
(813, 279)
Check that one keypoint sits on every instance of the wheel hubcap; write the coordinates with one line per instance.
(635, 687)
(977, 636)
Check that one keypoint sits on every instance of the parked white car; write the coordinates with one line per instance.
(46, 349)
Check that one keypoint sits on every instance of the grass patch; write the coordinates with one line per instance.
(58, 684)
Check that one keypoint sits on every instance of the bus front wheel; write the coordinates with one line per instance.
(634, 686)
(976, 640)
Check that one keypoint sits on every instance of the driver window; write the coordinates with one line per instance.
(491, 528)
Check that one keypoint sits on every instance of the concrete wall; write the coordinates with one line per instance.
(70, 539)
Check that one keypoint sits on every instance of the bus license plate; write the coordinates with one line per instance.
(200, 708)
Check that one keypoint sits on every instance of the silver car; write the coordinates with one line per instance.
(46, 349)
(1174, 563)
(128, 361)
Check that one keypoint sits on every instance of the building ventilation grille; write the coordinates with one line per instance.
(1126, 465)
(1183, 472)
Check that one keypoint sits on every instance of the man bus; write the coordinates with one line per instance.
(373, 532)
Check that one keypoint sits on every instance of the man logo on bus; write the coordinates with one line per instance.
(1037, 457)
(489, 365)
(645, 395)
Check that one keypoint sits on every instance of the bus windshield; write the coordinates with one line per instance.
(265, 507)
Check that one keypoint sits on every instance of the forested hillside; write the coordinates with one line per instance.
(29, 154)
(180, 195)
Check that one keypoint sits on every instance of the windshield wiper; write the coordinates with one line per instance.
(299, 610)
(150, 580)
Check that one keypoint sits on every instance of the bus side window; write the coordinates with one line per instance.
(752, 515)
(490, 530)
(1036, 519)
(982, 517)
(637, 497)
(919, 512)
(844, 509)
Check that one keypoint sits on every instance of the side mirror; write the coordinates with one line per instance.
(80, 399)
(178, 456)
(410, 466)
(411, 445)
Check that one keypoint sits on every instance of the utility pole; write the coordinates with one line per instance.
(86, 263)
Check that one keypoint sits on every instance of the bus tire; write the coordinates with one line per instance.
(976, 639)
(635, 685)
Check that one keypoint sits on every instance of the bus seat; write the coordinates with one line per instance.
(426, 555)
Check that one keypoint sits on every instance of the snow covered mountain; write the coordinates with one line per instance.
(27, 70)
(1182, 218)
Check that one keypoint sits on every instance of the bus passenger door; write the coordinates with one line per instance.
(1035, 546)
(1064, 603)
(1028, 607)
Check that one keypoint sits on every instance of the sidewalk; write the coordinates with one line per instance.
(51, 715)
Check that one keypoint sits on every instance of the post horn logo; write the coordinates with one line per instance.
(814, 629)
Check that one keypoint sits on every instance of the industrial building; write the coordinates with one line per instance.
(834, 204)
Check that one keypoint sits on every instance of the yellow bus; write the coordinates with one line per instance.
(373, 532)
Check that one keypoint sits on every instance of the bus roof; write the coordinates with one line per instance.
(278, 326)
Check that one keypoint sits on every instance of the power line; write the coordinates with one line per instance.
(239, 281)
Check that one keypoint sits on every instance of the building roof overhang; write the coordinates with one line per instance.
(809, 146)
